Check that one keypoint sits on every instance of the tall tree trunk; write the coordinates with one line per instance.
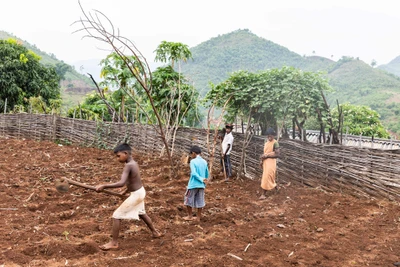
(333, 134)
(247, 137)
(293, 129)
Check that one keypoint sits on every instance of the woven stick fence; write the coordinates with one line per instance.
(357, 171)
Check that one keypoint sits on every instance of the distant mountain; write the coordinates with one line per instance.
(358, 83)
(353, 80)
(392, 67)
(317, 63)
(74, 87)
(214, 59)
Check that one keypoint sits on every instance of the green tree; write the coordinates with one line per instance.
(92, 108)
(273, 97)
(22, 76)
(174, 96)
(119, 79)
(117, 94)
(361, 120)
(61, 69)
(171, 52)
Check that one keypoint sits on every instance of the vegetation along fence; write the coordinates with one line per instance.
(354, 170)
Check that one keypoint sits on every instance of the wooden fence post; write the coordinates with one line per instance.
(119, 113)
(36, 134)
(341, 174)
(54, 128)
(19, 126)
(73, 126)
(302, 167)
(4, 117)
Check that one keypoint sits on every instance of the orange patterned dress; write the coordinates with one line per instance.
(269, 167)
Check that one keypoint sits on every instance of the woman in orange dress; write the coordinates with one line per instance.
(268, 162)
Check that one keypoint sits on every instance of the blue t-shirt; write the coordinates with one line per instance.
(198, 171)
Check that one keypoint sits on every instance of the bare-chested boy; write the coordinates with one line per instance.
(133, 207)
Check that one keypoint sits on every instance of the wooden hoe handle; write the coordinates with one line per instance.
(92, 187)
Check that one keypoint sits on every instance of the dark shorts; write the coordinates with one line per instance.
(194, 198)
(228, 165)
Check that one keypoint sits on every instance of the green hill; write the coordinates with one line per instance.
(74, 87)
(353, 80)
(358, 83)
(214, 59)
(317, 63)
(392, 67)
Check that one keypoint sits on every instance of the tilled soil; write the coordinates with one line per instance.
(296, 226)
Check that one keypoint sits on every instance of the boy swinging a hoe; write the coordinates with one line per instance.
(133, 207)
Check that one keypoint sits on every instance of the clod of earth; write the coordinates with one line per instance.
(62, 187)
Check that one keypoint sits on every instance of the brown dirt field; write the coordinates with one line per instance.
(296, 226)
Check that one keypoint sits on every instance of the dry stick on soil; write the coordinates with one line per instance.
(140, 69)
(234, 256)
(211, 151)
(30, 197)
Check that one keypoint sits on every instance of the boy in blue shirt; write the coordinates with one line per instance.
(194, 196)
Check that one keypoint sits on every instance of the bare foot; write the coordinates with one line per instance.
(109, 246)
(157, 234)
(262, 197)
(188, 218)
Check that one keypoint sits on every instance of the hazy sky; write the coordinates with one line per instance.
(366, 29)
